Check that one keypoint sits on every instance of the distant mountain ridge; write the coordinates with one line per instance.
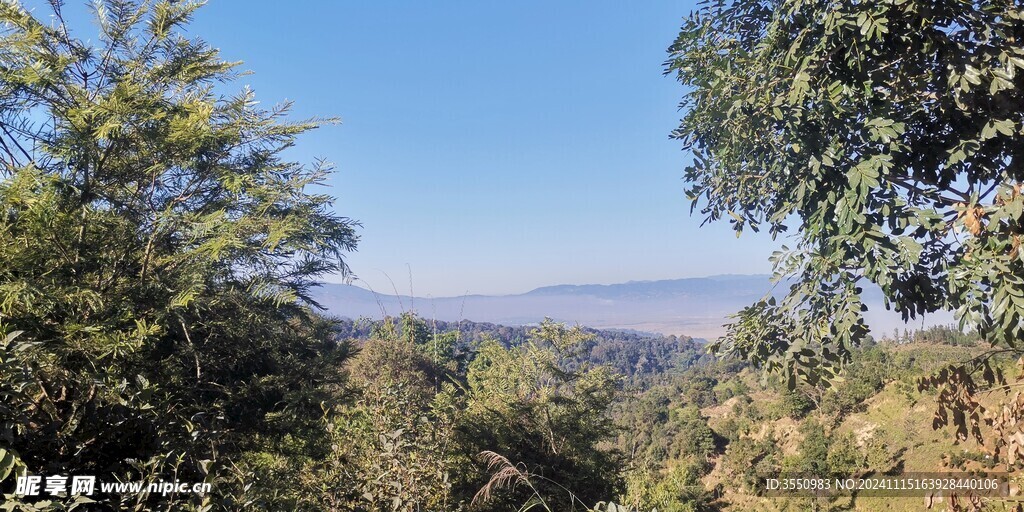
(696, 307)
(711, 285)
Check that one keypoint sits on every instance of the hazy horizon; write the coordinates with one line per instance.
(405, 289)
(695, 306)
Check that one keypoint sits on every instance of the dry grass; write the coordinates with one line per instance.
(504, 475)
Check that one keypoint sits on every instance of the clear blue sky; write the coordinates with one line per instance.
(491, 147)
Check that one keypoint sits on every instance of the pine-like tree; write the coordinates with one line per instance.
(156, 253)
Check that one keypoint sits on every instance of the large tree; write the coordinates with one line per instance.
(156, 251)
(888, 134)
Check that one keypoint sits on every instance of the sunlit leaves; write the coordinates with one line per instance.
(157, 249)
(891, 151)
(545, 411)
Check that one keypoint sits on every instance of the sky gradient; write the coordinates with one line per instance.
(489, 148)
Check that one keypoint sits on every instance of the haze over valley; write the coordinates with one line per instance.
(697, 307)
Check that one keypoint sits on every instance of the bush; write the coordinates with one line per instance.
(796, 405)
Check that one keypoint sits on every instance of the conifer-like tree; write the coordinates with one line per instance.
(156, 255)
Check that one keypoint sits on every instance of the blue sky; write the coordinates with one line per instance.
(490, 147)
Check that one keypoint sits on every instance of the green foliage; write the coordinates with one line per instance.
(879, 456)
(843, 456)
(156, 253)
(823, 453)
(700, 391)
(948, 335)
(677, 489)
(795, 405)
(747, 461)
(814, 448)
(548, 413)
(690, 434)
(730, 388)
(888, 134)
(394, 448)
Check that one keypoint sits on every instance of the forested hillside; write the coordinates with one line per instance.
(162, 346)
(687, 431)
(637, 357)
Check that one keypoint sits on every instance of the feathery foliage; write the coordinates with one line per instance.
(156, 253)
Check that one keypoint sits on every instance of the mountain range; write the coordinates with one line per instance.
(697, 307)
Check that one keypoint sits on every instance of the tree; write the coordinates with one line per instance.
(691, 435)
(547, 413)
(156, 253)
(394, 447)
(888, 133)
